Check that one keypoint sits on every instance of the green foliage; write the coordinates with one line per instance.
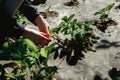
(114, 74)
(42, 5)
(27, 56)
(104, 20)
(16, 76)
(104, 12)
(45, 52)
(107, 8)
(76, 30)
(21, 18)
(46, 73)
(81, 37)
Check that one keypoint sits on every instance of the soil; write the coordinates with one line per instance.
(49, 14)
(95, 65)
(70, 3)
(103, 25)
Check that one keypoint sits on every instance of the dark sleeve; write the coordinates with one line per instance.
(9, 27)
(37, 2)
(29, 11)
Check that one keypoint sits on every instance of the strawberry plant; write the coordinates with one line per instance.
(28, 61)
(114, 74)
(76, 38)
(21, 18)
(104, 20)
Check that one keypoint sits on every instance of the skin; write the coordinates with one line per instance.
(42, 25)
(41, 37)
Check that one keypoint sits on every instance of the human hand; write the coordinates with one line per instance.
(37, 37)
(42, 25)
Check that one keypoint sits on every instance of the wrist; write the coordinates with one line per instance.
(38, 20)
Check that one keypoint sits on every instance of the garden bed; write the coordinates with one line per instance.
(96, 64)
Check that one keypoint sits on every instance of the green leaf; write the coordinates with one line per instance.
(88, 23)
(94, 41)
(73, 22)
(43, 72)
(95, 37)
(71, 17)
(65, 19)
(6, 47)
(31, 46)
(44, 52)
(31, 54)
(16, 76)
(31, 58)
(55, 30)
(65, 29)
(103, 16)
(21, 18)
(66, 32)
(42, 5)
(62, 24)
(31, 62)
(110, 6)
(54, 68)
(22, 63)
(51, 46)
(78, 36)
(107, 8)
(20, 75)
(16, 56)
(117, 78)
(79, 24)
(21, 48)
(74, 25)
(10, 75)
(51, 70)
(48, 70)
(87, 28)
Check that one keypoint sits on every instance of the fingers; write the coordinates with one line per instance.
(37, 37)
(42, 40)
(45, 34)
(42, 24)
(44, 28)
(46, 41)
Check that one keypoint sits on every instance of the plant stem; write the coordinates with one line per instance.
(60, 62)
